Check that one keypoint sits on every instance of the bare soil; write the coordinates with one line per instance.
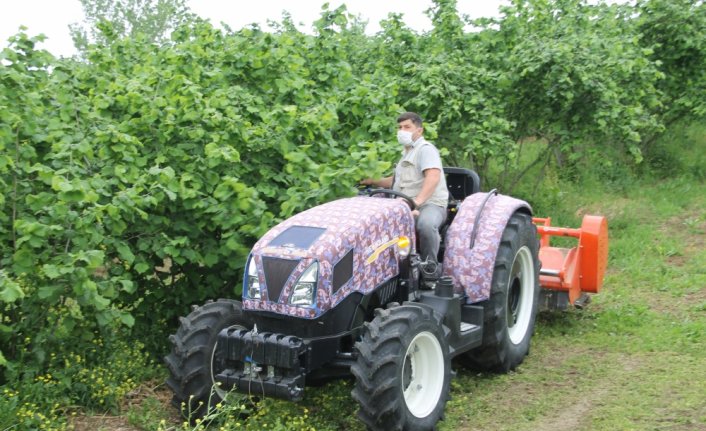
(153, 390)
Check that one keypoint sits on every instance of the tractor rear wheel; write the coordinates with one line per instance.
(193, 361)
(403, 369)
(509, 313)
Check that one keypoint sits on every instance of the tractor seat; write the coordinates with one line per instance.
(461, 183)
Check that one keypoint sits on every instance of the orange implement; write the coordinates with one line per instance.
(574, 270)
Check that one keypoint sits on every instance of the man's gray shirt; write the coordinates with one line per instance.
(409, 172)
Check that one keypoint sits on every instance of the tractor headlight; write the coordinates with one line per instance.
(304, 291)
(252, 281)
(404, 246)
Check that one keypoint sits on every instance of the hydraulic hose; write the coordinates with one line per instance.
(476, 223)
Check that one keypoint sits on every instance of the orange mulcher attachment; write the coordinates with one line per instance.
(573, 271)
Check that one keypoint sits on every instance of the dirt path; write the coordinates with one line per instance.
(577, 410)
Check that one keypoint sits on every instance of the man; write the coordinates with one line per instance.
(420, 175)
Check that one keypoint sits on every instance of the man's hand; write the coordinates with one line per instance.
(415, 211)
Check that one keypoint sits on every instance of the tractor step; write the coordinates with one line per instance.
(469, 336)
(465, 327)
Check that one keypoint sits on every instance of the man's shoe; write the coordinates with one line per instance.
(431, 272)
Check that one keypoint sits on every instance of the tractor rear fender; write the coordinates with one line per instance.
(473, 239)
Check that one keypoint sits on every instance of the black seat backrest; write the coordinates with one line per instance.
(461, 182)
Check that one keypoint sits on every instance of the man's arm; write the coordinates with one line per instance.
(385, 183)
(431, 180)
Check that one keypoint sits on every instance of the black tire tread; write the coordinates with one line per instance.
(189, 360)
(380, 354)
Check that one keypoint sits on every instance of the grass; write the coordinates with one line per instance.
(635, 359)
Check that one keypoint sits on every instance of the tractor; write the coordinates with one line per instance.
(339, 290)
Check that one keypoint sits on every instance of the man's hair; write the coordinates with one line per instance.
(416, 119)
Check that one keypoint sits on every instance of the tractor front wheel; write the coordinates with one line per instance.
(403, 370)
(509, 314)
(193, 362)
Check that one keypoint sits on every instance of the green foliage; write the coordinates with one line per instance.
(575, 77)
(98, 378)
(679, 151)
(107, 20)
(18, 412)
(325, 408)
(139, 180)
(675, 34)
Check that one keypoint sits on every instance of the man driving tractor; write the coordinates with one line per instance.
(420, 175)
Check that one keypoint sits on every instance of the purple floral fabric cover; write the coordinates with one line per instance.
(472, 269)
(358, 223)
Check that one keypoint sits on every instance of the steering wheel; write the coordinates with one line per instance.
(409, 200)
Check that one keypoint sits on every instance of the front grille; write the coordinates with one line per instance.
(387, 291)
(277, 271)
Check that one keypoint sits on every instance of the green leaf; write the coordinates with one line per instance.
(92, 258)
(23, 260)
(61, 184)
(51, 271)
(100, 302)
(128, 286)
(125, 253)
(50, 292)
(142, 267)
(104, 317)
(127, 319)
(210, 259)
(72, 195)
(10, 291)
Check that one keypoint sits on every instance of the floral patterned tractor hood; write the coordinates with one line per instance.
(348, 245)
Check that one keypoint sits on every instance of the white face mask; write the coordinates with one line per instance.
(404, 137)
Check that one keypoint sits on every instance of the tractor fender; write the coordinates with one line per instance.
(471, 247)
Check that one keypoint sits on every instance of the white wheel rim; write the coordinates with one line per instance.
(520, 295)
(423, 374)
(216, 389)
